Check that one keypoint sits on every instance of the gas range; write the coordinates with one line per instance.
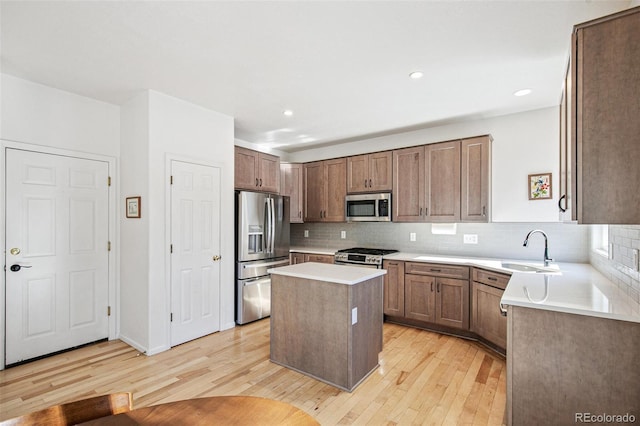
(361, 256)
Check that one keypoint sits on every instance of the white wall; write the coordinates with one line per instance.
(134, 238)
(524, 143)
(42, 115)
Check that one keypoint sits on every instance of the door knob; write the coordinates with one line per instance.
(16, 267)
(216, 258)
(15, 251)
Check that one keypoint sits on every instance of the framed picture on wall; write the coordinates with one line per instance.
(540, 186)
(133, 207)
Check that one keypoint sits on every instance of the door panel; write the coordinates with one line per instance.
(57, 216)
(195, 266)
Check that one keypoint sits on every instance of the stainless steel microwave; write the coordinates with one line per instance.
(368, 207)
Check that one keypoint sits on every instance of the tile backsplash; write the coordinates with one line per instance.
(567, 242)
(620, 269)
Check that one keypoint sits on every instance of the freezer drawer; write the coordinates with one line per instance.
(253, 299)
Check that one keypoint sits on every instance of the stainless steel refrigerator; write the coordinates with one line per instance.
(262, 242)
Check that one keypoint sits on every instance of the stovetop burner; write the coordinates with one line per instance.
(367, 251)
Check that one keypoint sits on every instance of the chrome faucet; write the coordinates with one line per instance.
(547, 259)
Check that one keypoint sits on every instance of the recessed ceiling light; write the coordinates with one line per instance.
(288, 112)
(416, 75)
(522, 92)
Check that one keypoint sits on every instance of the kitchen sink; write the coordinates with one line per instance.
(531, 268)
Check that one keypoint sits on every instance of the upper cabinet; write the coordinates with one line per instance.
(369, 172)
(256, 171)
(325, 184)
(291, 184)
(443, 182)
(603, 119)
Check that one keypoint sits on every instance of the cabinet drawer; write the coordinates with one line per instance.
(437, 270)
(492, 279)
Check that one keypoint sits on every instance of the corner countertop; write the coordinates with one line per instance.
(576, 288)
(339, 274)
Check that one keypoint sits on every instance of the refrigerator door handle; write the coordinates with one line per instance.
(267, 226)
(262, 265)
(273, 225)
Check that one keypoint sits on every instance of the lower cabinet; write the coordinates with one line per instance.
(442, 295)
(296, 258)
(487, 320)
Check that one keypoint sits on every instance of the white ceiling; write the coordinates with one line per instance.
(341, 66)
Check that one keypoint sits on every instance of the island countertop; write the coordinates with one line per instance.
(339, 274)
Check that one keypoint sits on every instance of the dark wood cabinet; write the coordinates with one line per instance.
(369, 172)
(256, 171)
(325, 190)
(393, 288)
(292, 184)
(603, 119)
(443, 182)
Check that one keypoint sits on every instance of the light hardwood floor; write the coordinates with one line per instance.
(423, 378)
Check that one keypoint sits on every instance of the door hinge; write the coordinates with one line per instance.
(108, 311)
(171, 317)
(109, 181)
(108, 245)
(171, 180)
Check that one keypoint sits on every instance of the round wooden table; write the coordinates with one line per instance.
(218, 410)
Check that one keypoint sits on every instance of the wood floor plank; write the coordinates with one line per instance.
(423, 378)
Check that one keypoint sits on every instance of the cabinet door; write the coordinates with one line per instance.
(269, 173)
(380, 171)
(442, 168)
(295, 258)
(408, 185)
(335, 189)
(318, 258)
(608, 106)
(486, 320)
(420, 301)
(291, 184)
(246, 166)
(313, 191)
(475, 204)
(452, 303)
(394, 288)
(358, 174)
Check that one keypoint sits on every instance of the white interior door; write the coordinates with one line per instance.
(57, 234)
(195, 260)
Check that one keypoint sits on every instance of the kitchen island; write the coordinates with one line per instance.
(326, 321)
(572, 349)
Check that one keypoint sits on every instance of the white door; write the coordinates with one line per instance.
(195, 260)
(57, 235)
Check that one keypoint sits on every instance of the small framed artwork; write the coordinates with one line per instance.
(540, 186)
(133, 207)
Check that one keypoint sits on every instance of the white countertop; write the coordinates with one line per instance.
(577, 288)
(339, 274)
(314, 250)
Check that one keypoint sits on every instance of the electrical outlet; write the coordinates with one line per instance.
(343, 234)
(354, 315)
(412, 236)
(610, 251)
(470, 238)
(636, 259)
(306, 233)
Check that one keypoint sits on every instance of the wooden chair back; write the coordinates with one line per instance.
(75, 412)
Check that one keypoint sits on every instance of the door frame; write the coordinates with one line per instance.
(167, 233)
(113, 233)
